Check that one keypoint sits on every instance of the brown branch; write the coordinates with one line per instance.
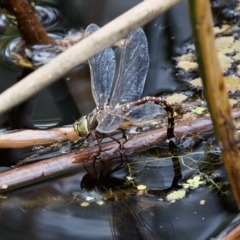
(39, 171)
(234, 234)
(29, 26)
(215, 90)
(30, 138)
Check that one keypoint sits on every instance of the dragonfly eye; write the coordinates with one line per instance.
(81, 126)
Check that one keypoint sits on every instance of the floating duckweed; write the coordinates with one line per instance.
(176, 195)
(199, 110)
(89, 199)
(100, 203)
(4, 186)
(193, 183)
(202, 202)
(84, 204)
(141, 187)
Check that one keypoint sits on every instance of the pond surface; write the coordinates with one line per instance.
(59, 208)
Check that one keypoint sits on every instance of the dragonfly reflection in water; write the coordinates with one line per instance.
(114, 105)
(132, 214)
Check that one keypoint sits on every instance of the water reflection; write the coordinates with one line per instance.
(59, 209)
(48, 16)
(140, 217)
(55, 209)
(50, 19)
(133, 213)
(51, 212)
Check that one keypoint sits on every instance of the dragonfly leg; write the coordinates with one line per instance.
(121, 152)
(99, 152)
(176, 164)
(99, 140)
(124, 135)
(116, 140)
(78, 144)
(122, 165)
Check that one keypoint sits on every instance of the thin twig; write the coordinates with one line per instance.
(82, 51)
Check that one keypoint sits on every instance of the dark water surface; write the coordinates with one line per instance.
(59, 208)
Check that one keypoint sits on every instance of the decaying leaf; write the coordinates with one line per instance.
(236, 57)
(176, 195)
(228, 53)
(190, 57)
(225, 62)
(189, 116)
(232, 83)
(223, 44)
(233, 102)
(197, 82)
(224, 30)
(236, 46)
(199, 110)
(187, 65)
(176, 98)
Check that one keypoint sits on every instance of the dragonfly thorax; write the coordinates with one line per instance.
(81, 126)
(86, 124)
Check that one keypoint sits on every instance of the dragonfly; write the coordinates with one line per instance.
(119, 100)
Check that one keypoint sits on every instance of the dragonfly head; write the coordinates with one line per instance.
(81, 127)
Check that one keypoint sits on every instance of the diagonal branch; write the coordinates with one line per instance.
(82, 51)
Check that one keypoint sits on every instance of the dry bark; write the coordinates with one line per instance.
(29, 26)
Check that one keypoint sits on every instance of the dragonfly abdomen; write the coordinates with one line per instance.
(164, 104)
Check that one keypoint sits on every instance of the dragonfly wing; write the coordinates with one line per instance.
(108, 121)
(145, 112)
(156, 226)
(137, 218)
(132, 70)
(102, 67)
